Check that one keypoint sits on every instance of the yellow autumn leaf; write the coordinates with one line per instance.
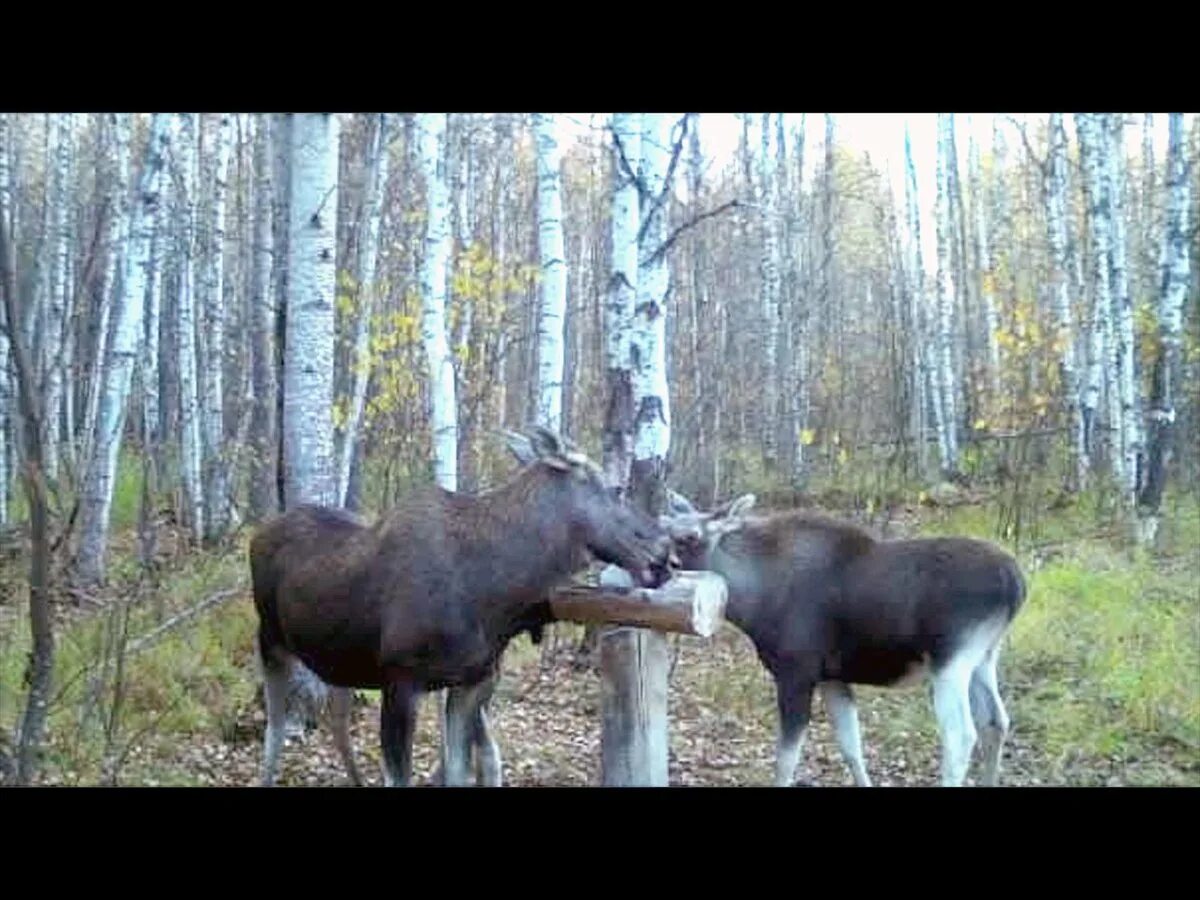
(807, 436)
(980, 424)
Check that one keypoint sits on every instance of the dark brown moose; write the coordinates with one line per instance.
(430, 595)
(826, 604)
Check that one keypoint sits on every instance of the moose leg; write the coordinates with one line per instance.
(953, 710)
(464, 721)
(991, 718)
(839, 703)
(341, 702)
(490, 771)
(795, 705)
(276, 677)
(397, 722)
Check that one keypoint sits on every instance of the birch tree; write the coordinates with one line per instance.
(1148, 261)
(1091, 148)
(1056, 226)
(985, 272)
(150, 351)
(770, 289)
(56, 323)
(216, 474)
(281, 148)
(798, 381)
(117, 201)
(944, 409)
(264, 498)
(1172, 292)
(6, 204)
(189, 393)
(6, 393)
(443, 402)
(553, 258)
(368, 255)
(919, 366)
(308, 364)
(1130, 432)
(648, 343)
(634, 660)
(118, 367)
(622, 295)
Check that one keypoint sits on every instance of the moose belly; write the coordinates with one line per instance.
(341, 660)
(881, 667)
(351, 672)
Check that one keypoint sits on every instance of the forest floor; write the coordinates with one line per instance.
(545, 717)
(1101, 676)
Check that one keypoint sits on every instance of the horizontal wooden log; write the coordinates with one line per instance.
(690, 603)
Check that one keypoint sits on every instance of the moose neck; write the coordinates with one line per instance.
(768, 558)
(744, 580)
(530, 541)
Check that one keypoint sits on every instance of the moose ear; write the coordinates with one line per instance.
(742, 505)
(520, 446)
(544, 441)
(734, 508)
(679, 505)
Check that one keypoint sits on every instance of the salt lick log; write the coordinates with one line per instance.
(692, 602)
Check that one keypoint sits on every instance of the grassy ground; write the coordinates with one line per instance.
(1101, 674)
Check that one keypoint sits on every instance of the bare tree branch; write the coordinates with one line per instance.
(175, 621)
(1040, 162)
(676, 150)
(625, 166)
(666, 245)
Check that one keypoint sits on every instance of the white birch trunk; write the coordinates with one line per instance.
(648, 337)
(798, 395)
(434, 267)
(622, 295)
(189, 393)
(917, 303)
(264, 497)
(945, 408)
(1060, 287)
(1149, 260)
(6, 394)
(1130, 431)
(281, 184)
(60, 237)
(368, 255)
(118, 125)
(499, 191)
(118, 369)
(5, 171)
(1167, 370)
(216, 475)
(634, 662)
(553, 257)
(1091, 150)
(770, 289)
(151, 400)
(44, 263)
(987, 276)
(308, 345)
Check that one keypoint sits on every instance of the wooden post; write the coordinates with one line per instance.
(634, 663)
(633, 669)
